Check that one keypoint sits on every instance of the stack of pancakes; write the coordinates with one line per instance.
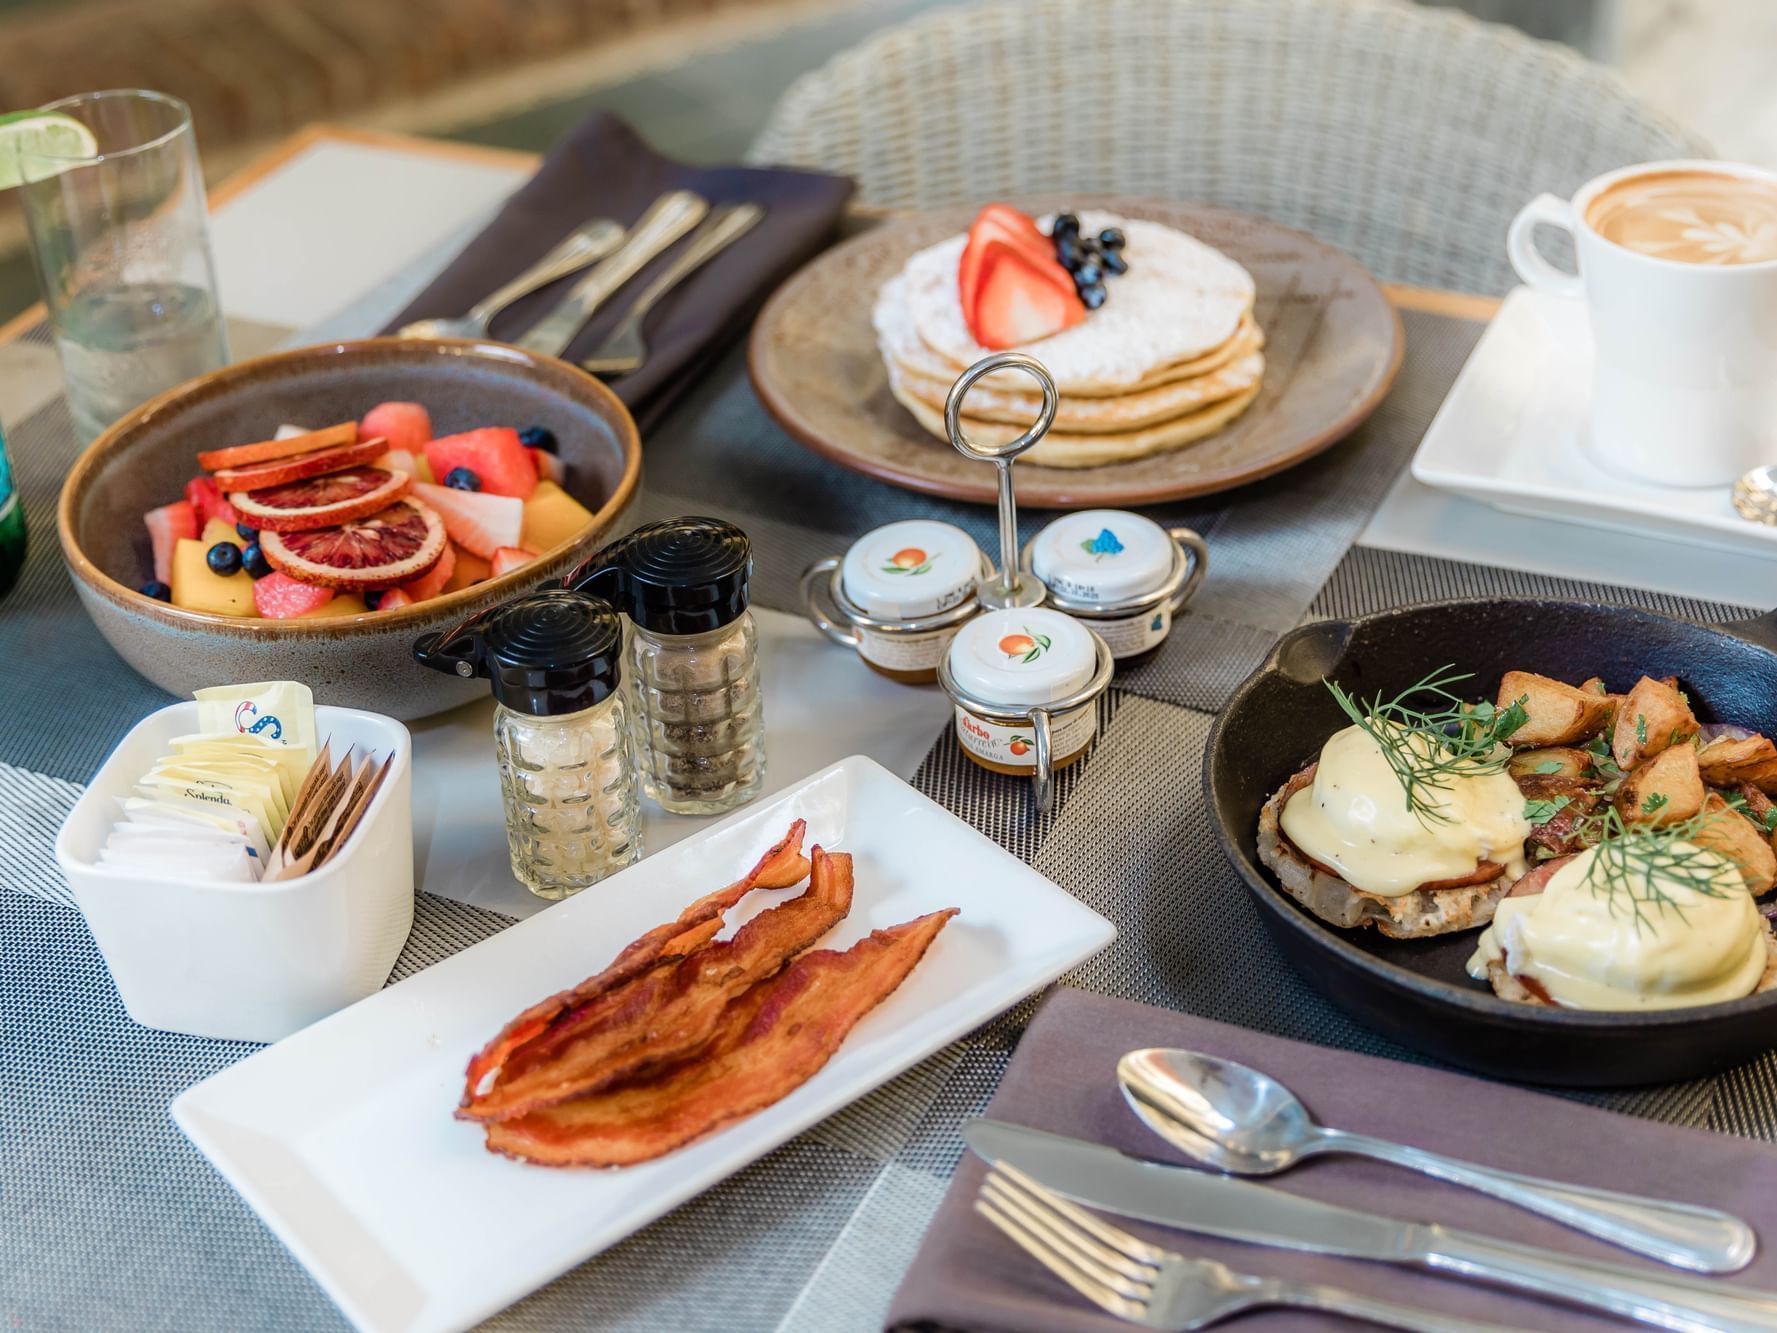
(1172, 356)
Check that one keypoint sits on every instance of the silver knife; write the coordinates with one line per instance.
(1214, 1205)
(667, 219)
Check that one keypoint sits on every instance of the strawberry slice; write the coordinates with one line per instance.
(1003, 223)
(166, 526)
(509, 558)
(1021, 301)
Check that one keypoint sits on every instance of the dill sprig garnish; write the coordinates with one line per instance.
(1633, 860)
(1430, 735)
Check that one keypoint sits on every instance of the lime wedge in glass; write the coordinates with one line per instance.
(40, 135)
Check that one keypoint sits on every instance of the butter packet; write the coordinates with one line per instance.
(279, 711)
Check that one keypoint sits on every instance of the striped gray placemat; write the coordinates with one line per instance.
(113, 1221)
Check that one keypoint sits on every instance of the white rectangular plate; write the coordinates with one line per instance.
(341, 1136)
(1511, 434)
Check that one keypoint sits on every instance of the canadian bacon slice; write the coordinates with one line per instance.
(772, 1039)
(669, 1014)
(782, 866)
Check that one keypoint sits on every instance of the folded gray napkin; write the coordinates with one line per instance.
(1063, 1079)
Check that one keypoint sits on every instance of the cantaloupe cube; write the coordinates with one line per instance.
(552, 516)
(218, 531)
(196, 587)
(346, 604)
(470, 568)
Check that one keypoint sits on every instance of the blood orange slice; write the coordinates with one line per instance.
(266, 451)
(317, 463)
(381, 550)
(321, 502)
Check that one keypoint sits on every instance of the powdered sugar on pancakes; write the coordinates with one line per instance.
(1179, 300)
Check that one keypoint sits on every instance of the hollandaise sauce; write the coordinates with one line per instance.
(1355, 817)
(1584, 943)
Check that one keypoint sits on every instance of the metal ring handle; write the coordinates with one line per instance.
(1197, 553)
(811, 577)
(1010, 449)
(1043, 775)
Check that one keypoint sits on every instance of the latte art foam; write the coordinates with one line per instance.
(1690, 217)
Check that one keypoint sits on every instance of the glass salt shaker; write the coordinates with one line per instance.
(567, 776)
(696, 717)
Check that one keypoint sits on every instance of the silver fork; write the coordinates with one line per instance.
(1125, 1276)
(624, 350)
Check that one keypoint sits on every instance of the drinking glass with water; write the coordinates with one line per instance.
(122, 248)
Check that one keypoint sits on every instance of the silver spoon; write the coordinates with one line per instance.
(1755, 495)
(586, 244)
(1246, 1123)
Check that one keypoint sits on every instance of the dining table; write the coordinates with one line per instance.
(112, 1219)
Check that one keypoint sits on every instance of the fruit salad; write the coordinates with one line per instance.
(359, 517)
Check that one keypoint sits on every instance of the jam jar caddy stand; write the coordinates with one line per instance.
(1020, 667)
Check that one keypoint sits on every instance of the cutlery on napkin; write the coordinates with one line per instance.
(602, 168)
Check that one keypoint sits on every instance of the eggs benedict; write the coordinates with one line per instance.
(1392, 827)
(1647, 919)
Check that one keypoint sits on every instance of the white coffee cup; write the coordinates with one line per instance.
(1685, 387)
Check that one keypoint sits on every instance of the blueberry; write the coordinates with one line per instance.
(1088, 275)
(1114, 262)
(1093, 296)
(249, 534)
(538, 437)
(156, 589)
(373, 598)
(1066, 224)
(1068, 251)
(1111, 238)
(462, 479)
(223, 558)
(254, 562)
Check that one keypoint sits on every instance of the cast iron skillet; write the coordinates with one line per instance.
(1416, 991)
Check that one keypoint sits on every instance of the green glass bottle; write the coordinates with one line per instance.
(12, 525)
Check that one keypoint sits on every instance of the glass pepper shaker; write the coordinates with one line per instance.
(567, 775)
(696, 717)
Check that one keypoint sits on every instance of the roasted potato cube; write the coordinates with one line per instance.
(1652, 717)
(1594, 685)
(1550, 761)
(1559, 714)
(1731, 834)
(1758, 806)
(1665, 790)
(1729, 763)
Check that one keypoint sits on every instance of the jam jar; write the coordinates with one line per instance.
(1025, 682)
(1123, 575)
(898, 596)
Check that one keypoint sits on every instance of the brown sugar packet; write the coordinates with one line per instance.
(327, 801)
(300, 806)
(330, 808)
(368, 786)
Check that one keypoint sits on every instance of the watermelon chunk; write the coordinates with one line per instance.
(476, 520)
(207, 499)
(404, 425)
(280, 597)
(166, 526)
(492, 453)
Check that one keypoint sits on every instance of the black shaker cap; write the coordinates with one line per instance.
(680, 576)
(547, 654)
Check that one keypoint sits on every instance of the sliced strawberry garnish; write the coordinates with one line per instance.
(1003, 223)
(1021, 301)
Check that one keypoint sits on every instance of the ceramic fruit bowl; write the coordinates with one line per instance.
(353, 661)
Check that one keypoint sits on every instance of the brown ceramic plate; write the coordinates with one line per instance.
(1333, 344)
(366, 661)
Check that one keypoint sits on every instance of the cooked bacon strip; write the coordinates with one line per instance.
(779, 868)
(771, 1040)
(671, 1013)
